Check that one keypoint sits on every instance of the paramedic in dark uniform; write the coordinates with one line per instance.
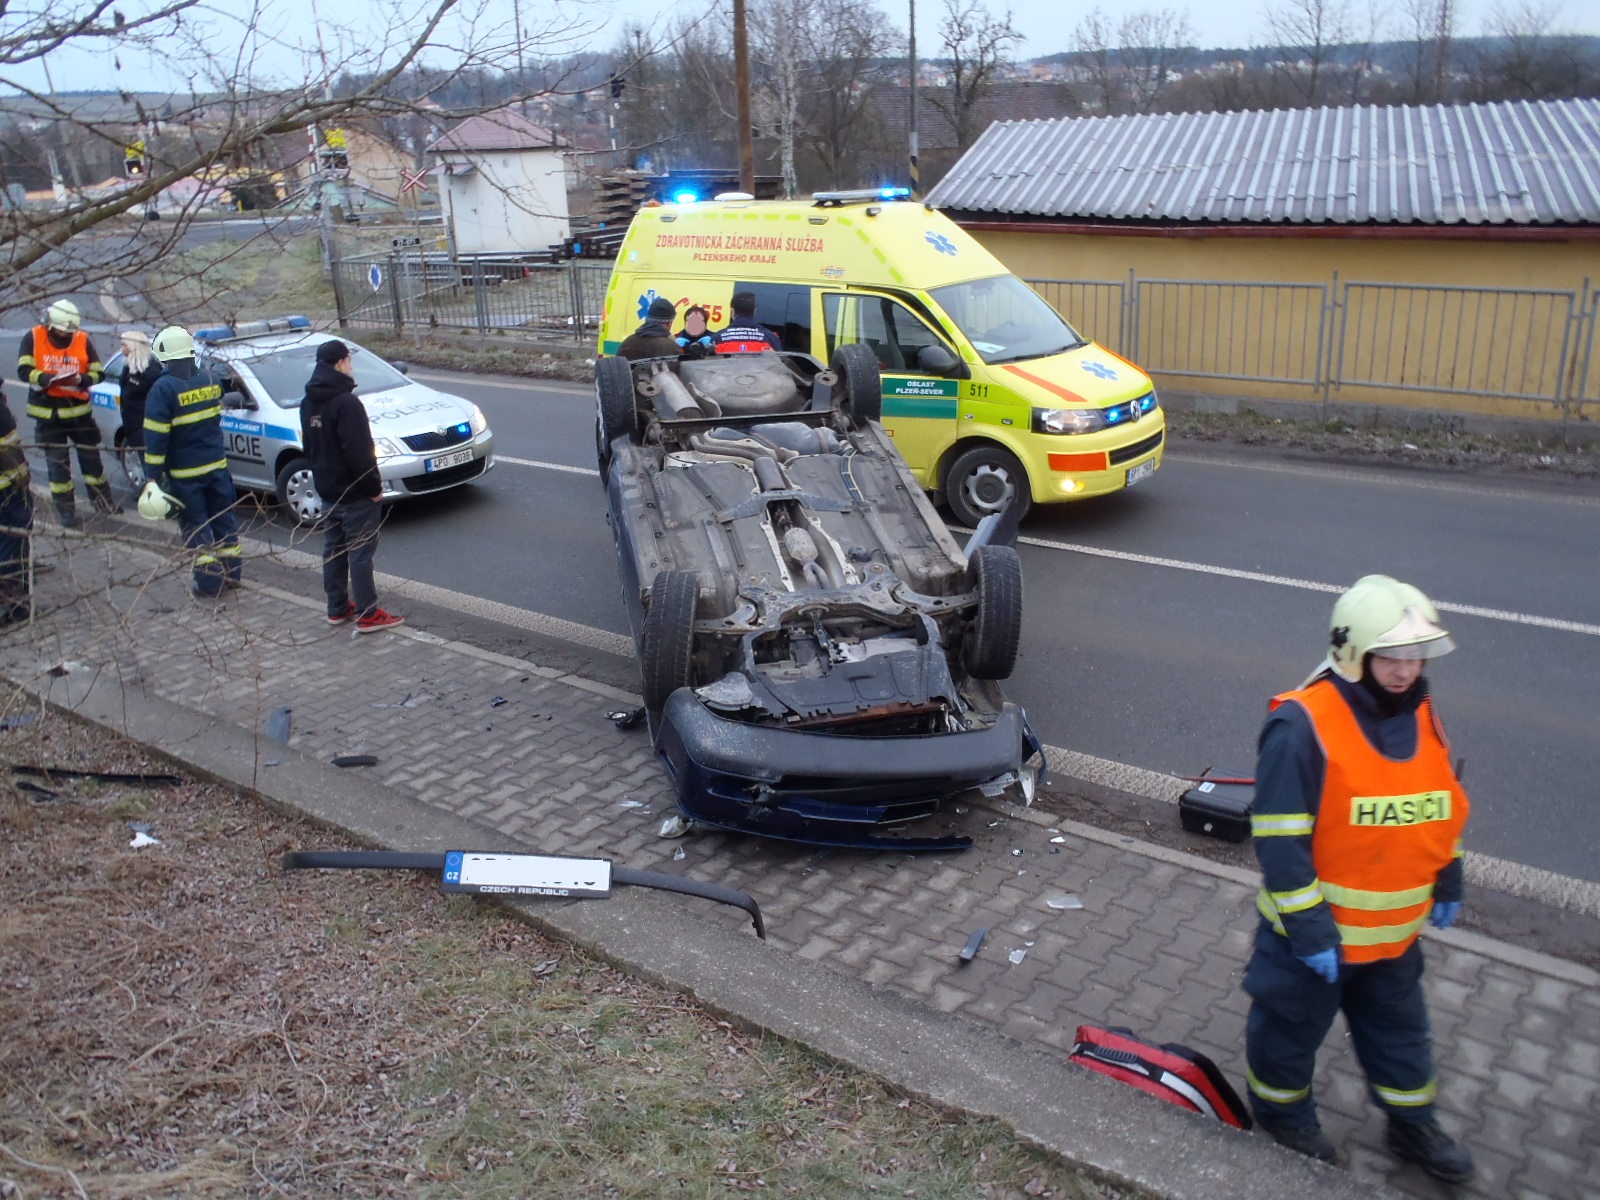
(1357, 825)
(186, 456)
(59, 364)
(744, 333)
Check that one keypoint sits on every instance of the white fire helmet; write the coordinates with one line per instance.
(1381, 615)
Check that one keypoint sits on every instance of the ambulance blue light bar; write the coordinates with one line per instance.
(685, 197)
(859, 196)
(229, 333)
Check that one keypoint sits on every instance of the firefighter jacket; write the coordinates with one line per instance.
(40, 361)
(1357, 821)
(183, 426)
(13, 466)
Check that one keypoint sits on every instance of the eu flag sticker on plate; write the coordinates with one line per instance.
(526, 874)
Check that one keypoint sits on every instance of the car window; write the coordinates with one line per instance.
(113, 367)
(283, 374)
(893, 331)
(785, 309)
(1005, 319)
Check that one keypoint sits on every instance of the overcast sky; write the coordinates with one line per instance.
(284, 41)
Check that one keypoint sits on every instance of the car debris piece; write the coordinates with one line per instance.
(1064, 902)
(842, 681)
(626, 718)
(498, 701)
(278, 724)
(141, 838)
(356, 760)
(970, 950)
(139, 778)
(508, 873)
(34, 790)
(675, 827)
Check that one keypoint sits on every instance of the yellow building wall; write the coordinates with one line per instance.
(1442, 324)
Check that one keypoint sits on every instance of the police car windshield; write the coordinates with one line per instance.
(283, 373)
(1005, 319)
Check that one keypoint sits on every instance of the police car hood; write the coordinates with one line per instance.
(414, 408)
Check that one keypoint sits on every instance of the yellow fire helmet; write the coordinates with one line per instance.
(63, 316)
(1381, 615)
(157, 505)
(172, 343)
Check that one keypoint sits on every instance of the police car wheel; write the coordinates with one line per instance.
(984, 480)
(297, 492)
(132, 465)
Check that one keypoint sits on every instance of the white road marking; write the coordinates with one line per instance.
(545, 466)
(510, 385)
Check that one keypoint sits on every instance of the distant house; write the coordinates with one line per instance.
(1447, 252)
(503, 183)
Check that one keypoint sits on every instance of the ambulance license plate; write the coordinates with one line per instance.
(1143, 471)
(463, 456)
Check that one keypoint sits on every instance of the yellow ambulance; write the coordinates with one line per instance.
(991, 397)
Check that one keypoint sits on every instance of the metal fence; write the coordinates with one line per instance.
(411, 288)
(1532, 345)
(1539, 347)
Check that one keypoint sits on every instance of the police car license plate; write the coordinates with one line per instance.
(1143, 471)
(453, 460)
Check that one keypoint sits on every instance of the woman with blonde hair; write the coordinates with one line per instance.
(140, 369)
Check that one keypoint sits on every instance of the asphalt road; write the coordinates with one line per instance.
(1159, 621)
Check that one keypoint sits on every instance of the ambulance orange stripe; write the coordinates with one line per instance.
(1054, 388)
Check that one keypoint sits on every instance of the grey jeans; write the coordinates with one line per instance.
(349, 541)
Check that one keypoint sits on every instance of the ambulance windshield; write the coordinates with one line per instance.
(1006, 320)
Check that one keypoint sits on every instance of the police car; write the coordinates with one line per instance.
(426, 440)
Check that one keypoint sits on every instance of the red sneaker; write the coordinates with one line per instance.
(341, 618)
(378, 620)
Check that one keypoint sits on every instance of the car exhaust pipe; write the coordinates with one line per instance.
(673, 401)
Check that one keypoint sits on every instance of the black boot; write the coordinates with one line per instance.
(1302, 1139)
(67, 515)
(104, 502)
(1431, 1148)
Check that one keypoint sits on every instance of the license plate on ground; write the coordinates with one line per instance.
(1143, 471)
(465, 456)
(526, 874)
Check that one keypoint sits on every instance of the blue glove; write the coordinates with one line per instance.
(1324, 962)
(1444, 913)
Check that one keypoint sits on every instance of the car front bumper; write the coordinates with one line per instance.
(831, 789)
(410, 474)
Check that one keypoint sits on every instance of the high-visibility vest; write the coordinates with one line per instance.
(54, 399)
(1384, 829)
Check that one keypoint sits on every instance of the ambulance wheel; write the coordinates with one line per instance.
(297, 492)
(990, 651)
(666, 645)
(615, 413)
(860, 387)
(986, 479)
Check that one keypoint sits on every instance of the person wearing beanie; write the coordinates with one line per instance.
(653, 338)
(337, 435)
(140, 370)
(1357, 823)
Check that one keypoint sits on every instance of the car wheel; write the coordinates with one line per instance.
(297, 492)
(859, 391)
(986, 479)
(132, 464)
(667, 642)
(990, 650)
(615, 412)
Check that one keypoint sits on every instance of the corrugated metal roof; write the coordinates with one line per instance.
(1513, 163)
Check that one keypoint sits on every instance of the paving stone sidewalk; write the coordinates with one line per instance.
(1084, 926)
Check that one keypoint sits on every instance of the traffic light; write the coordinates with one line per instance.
(617, 83)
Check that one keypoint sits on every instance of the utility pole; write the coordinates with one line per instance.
(741, 83)
(911, 108)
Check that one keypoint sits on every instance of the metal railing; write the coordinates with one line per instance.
(1539, 347)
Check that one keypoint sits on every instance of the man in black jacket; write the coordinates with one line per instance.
(653, 338)
(338, 440)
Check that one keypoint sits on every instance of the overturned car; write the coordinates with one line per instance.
(818, 656)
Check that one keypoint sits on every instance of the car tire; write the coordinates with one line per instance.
(616, 414)
(859, 391)
(986, 479)
(666, 645)
(990, 649)
(297, 492)
(131, 462)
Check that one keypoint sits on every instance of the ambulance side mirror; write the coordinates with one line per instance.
(936, 360)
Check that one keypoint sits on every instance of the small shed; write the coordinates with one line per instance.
(503, 184)
(1438, 256)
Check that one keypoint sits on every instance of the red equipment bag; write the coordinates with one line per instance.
(1175, 1073)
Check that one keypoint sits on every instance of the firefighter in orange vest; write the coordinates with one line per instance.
(59, 364)
(1357, 825)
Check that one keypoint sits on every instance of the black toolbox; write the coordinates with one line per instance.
(1219, 807)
